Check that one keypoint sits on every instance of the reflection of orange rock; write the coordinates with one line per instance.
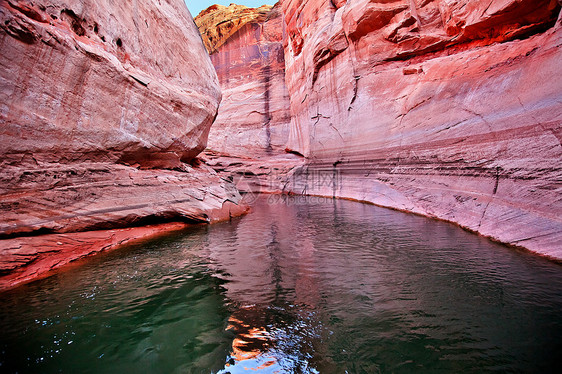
(250, 343)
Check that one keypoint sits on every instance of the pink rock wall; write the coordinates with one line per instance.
(450, 109)
(103, 80)
(103, 107)
(253, 118)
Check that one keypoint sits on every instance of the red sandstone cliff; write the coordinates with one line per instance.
(115, 82)
(246, 46)
(450, 109)
(102, 106)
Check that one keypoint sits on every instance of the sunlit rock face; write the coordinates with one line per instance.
(451, 109)
(246, 46)
(218, 23)
(102, 104)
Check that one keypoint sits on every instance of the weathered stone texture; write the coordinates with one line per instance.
(449, 109)
(103, 81)
(103, 107)
(253, 118)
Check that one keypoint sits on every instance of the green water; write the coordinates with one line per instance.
(305, 285)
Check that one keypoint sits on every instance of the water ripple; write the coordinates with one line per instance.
(295, 287)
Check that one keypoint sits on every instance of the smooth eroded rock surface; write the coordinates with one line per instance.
(103, 107)
(103, 81)
(450, 109)
(253, 118)
(87, 196)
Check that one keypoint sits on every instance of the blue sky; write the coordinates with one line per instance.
(196, 6)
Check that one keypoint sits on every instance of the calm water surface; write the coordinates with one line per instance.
(304, 285)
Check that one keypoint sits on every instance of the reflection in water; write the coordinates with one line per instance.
(263, 344)
(298, 286)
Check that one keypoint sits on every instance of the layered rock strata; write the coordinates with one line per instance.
(450, 109)
(276, 174)
(90, 196)
(103, 81)
(218, 23)
(103, 107)
(246, 46)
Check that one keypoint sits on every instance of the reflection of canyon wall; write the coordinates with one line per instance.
(247, 52)
(451, 109)
(97, 98)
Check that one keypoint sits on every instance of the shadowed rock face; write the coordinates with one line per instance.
(253, 118)
(102, 105)
(450, 109)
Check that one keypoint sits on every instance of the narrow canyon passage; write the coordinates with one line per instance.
(308, 186)
(448, 109)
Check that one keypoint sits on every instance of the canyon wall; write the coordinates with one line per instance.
(246, 46)
(104, 81)
(450, 109)
(103, 107)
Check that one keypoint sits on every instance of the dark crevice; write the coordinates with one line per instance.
(294, 152)
(123, 223)
(39, 232)
(74, 21)
(322, 59)
(267, 114)
(146, 85)
(498, 170)
(22, 34)
(153, 219)
(355, 90)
